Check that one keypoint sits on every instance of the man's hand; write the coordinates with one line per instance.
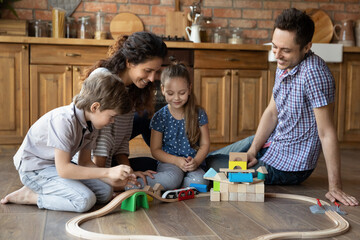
(252, 161)
(340, 195)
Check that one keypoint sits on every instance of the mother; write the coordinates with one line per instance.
(136, 59)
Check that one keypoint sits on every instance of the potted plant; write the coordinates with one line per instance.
(7, 4)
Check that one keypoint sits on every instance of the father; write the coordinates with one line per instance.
(299, 118)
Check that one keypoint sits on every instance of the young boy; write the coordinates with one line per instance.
(43, 160)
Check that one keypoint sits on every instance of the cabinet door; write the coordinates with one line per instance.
(349, 100)
(248, 102)
(14, 88)
(212, 89)
(51, 87)
(77, 73)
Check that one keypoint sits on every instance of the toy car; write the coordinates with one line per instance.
(181, 193)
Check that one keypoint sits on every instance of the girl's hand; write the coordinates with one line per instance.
(191, 164)
(119, 185)
(181, 163)
(121, 172)
(143, 175)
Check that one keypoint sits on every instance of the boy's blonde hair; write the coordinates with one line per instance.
(106, 89)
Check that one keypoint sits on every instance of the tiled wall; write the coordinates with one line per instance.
(254, 17)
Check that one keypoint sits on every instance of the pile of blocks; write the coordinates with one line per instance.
(236, 183)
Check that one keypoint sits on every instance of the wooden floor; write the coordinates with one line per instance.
(191, 219)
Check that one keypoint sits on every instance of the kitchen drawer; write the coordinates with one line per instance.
(70, 55)
(233, 59)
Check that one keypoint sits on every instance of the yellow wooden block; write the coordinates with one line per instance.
(241, 164)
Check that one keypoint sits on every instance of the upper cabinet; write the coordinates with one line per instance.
(232, 88)
(14, 92)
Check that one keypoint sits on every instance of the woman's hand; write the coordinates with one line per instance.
(143, 175)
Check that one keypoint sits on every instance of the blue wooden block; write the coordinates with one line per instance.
(199, 187)
(240, 177)
(210, 173)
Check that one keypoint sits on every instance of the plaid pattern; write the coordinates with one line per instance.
(295, 144)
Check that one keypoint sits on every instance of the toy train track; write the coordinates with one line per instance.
(73, 225)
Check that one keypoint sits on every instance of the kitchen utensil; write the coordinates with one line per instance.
(68, 5)
(125, 24)
(346, 33)
(176, 22)
(323, 25)
(194, 34)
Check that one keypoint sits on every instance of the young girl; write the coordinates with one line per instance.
(180, 134)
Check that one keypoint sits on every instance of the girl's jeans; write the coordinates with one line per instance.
(56, 193)
(220, 159)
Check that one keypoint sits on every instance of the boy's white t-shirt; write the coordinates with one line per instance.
(64, 128)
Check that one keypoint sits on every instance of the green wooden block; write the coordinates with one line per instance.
(216, 186)
(139, 199)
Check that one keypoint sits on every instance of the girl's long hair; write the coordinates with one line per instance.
(191, 109)
(136, 48)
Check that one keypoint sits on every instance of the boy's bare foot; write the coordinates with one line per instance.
(22, 196)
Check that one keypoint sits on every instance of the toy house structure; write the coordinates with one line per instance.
(236, 183)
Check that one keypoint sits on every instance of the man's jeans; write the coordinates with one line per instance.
(220, 159)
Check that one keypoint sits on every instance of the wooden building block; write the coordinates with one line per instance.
(214, 196)
(157, 189)
(233, 188)
(240, 158)
(240, 177)
(222, 176)
(216, 186)
(224, 187)
(233, 196)
(241, 188)
(259, 197)
(260, 188)
(240, 164)
(241, 197)
(148, 188)
(250, 188)
(224, 196)
(250, 197)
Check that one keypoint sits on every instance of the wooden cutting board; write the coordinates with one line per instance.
(125, 24)
(324, 28)
(176, 22)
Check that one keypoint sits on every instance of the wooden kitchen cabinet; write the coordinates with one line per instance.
(55, 78)
(14, 92)
(232, 88)
(349, 101)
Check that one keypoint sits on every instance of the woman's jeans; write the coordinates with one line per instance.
(220, 159)
(60, 194)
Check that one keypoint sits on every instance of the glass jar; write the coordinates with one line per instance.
(70, 27)
(219, 35)
(85, 30)
(235, 36)
(100, 29)
(58, 22)
(37, 28)
(206, 27)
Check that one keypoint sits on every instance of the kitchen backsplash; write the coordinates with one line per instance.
(255, 18)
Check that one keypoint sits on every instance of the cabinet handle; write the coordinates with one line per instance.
(68, 68)
(73, 55)
(24, 47)
(232, 59)
(76, 69)
(236, 73)
(228, 73)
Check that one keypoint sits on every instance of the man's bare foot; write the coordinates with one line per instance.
(22, 196)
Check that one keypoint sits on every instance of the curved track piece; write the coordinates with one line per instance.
(341, 225)
(73, 225)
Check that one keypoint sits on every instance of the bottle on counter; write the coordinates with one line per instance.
(70, 27)
(219, 35)
(100, 32)
(85, 30)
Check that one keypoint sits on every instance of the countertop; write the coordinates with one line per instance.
(170, 44)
